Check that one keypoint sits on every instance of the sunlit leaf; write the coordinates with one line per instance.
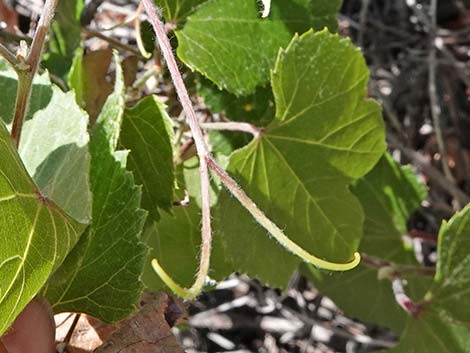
(388, 195)
(325, 135)
(229, 43)
(101, 276)
(36, 235)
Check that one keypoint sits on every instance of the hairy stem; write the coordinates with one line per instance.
(205, 161)
(434, 174)
(202, 151)
(233, 126)
(30, 67)
(272, 228)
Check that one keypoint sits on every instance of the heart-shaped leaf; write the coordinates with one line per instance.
(325, 135)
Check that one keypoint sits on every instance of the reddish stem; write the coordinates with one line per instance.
(403, 300)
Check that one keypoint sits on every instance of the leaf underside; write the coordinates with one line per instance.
(388, 195)
(147, 134)
(101, 276)
(36, 235)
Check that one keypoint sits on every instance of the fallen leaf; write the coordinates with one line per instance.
(148, 331)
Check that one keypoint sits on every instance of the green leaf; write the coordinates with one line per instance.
(257, 108)
(148, 36)
(388, 195)
(101, 277)
(229, 43)
(54, 149)
(41, 94)
(442, 324)
(176, 11)
(427, 333)
(175, 241)
(75, 77)
(53, 143)
(193, 180)
(147, 133)
(449, 293)
(65, 37)
(324, 136)
(36, 235)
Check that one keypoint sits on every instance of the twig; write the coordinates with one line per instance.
(433, 97)
(12, 37)
(28, 70)
(62, 346)
(363, 21)
(233, 126)
(113, 42)
(145, 77)
(8, 56)
(205, 159)
(396, 270)
(434, 174)
(390, 113)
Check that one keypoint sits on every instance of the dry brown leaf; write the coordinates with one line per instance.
(96, 87)
(148, 331)
(87, 335)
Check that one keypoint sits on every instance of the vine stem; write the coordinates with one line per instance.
(205, 161)
(27, 68)
(271, 227)
(233, 126)
(202, 151)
